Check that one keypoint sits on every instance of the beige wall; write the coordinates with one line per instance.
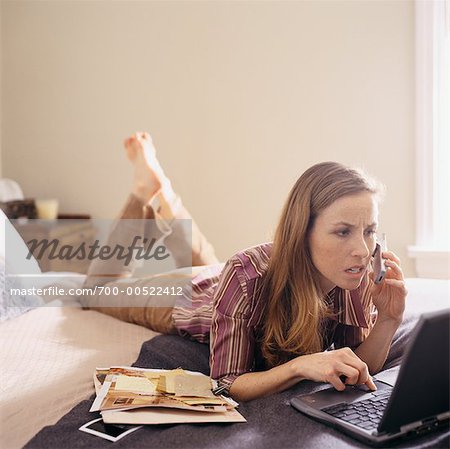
(240, 97)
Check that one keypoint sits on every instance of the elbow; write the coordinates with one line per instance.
(243, 389)
(238, 393)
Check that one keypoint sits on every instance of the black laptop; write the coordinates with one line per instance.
(415, 403)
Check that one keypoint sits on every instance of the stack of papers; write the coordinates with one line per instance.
(129, 395)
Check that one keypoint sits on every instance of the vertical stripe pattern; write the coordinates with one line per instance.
(226, 311)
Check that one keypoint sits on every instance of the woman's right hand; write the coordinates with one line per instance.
(330, 365)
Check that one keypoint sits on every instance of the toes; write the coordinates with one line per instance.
(139, 143)
(144, 136)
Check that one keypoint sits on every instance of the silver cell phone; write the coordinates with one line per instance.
(379, 267)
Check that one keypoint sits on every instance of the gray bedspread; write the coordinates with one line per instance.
(272, 422)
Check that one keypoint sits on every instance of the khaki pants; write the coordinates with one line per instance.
(190, 253)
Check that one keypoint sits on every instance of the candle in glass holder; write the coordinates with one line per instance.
(47, 209)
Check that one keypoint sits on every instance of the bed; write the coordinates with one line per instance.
(50, 346)
(48, 355)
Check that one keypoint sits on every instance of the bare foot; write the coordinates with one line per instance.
(149, 177)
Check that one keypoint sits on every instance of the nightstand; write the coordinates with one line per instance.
(54, 242)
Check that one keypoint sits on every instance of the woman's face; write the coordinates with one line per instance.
(342, 240)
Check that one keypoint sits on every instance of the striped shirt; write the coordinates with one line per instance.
(227, 306)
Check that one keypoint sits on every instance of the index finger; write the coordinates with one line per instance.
(364, 375)
(371, 384)
(391, 255)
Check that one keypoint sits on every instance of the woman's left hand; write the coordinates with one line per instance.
(389, 296)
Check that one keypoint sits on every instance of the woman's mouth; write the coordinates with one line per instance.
(355, 271)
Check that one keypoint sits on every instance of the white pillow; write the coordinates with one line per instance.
(15, 251)
(16, 271)
(13, 305)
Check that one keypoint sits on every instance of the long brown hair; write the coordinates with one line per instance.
(296, 309)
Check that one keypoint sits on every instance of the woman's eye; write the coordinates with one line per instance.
(343, 233)
(371, 232)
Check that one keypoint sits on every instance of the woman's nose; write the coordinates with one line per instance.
(361, 248)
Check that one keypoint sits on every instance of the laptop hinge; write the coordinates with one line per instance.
(422, 425)
(443, 416)
(410, 426)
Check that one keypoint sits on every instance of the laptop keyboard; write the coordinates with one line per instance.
(365, 414)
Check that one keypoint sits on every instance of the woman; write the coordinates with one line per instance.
(271, 312)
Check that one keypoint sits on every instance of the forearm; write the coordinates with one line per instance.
(254, 385)
(375, 348)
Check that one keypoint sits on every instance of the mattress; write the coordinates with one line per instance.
(47, 359)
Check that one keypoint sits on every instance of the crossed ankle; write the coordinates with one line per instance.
(143, 194)
(169, 207)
